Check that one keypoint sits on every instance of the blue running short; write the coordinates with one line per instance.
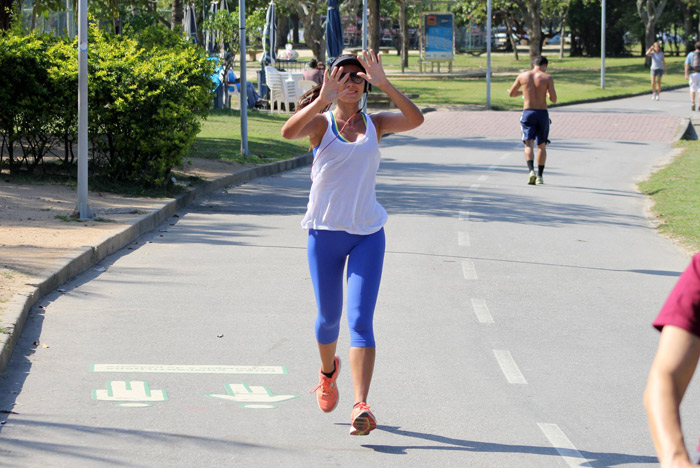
(535, 125)
(328, 252)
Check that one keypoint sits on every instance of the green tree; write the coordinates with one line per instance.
(524, 17)
(650, 11)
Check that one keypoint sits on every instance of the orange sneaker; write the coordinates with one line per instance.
(327, 390)
(362, 420)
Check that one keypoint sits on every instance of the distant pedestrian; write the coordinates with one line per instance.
(658, 68)
(673, 367)
(692, 73)
(344, 219)
(536, 85)
(313, 73)
(234, 84)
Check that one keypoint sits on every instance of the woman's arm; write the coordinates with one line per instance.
(409, 117)
(308, 122)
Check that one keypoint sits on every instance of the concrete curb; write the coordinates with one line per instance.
(686, 131)
(69, 267)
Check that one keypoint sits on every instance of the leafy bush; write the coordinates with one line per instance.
(147, 93)
(24, 93)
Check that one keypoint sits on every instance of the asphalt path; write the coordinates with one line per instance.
(513, 323)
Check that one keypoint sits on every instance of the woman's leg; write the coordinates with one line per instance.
(365, 264)
(327, 251)
(362, 368)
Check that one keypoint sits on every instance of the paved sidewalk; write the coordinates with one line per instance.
(46, 268)
(42, 264)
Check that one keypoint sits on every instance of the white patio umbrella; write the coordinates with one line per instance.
(269, 38)
(191, 23)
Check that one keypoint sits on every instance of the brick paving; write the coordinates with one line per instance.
(565, 125)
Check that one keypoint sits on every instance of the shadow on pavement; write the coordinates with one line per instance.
(594, 459)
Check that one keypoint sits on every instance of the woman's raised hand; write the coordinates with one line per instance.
(374, 71)
(333, 83)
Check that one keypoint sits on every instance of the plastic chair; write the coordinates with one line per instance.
(232, 89)
(306, 85)
(292, 93)
(273, 79)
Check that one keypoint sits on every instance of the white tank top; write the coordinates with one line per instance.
(343, 196)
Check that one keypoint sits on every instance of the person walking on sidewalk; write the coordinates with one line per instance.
(344, 219)
(536, 85)
(673, 367)
(692, 73)
(658, 68)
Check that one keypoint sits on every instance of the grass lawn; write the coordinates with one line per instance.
(575, 79)
(676, 197)
(220, 138)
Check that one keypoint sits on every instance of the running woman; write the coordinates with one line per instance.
(344, 219)
(536, 85)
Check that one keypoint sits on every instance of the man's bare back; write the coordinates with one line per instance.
(536, 85)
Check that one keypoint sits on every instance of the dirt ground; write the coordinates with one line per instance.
(35, 235)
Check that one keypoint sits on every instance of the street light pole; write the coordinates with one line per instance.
(602, 44)
(364, 24)
(243, 92)
(82, 210)
(488, 55)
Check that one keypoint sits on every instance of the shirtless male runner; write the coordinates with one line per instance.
(536, 85)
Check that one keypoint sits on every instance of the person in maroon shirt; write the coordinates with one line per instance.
(314, 72)
(673, 367)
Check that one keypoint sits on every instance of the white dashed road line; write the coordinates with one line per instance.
(509, 367)
(468, 270)
(463, 239)
(562, 444)
(482, 311)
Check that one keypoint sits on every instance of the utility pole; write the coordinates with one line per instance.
(488, 55)
(602, 44)
(82, 210)
(243, 93)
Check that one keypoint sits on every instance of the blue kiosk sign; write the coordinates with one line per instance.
(438, 36)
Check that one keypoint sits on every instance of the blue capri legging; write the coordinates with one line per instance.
(327, 251)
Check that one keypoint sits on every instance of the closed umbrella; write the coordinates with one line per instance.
(191, 23)
(210, 39)
(334, 31)
(269, 38)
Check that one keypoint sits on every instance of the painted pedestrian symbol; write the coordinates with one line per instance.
(129, 393)
(252, 396)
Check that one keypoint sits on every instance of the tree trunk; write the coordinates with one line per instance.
(282, 31)
(509, 25)
(7, 13)
(687, 28)
(374, 26)
(32, 24)
(562, 41)
(295, 29)
(178, 12)
(535, 32)
(199, 21)
(314, 34)
(650, 11)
